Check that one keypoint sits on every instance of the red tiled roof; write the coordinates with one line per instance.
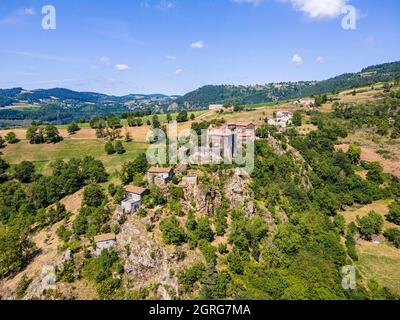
(240, 124)
(160, 170)
(135, 190)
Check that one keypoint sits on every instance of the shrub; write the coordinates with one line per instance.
(393, 235)
(370, 225)
(172, 231)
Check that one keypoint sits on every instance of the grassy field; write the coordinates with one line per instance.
(43, 155)
(161, 118)
(379, 262)
(266, 104)
(380, 207)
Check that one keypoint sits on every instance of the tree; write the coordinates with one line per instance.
(172, 231)
(93, 196)
(34, 135)
(354, 154)
(3, 166)
(119, 148)
(14, 247)
(24, 172)
(182, 116)
(109, 148)
(169, 117)
(73, 127)
(393, 235)
(51, 134)
(128, 137)
(394, 213)
(297, 119)
(375, 173)
(192, 117)
(156, 123)
(203, 229)
(370, 225)
(2, 142)
(11, 137)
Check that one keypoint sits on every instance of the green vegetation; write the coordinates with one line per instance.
(370, 225)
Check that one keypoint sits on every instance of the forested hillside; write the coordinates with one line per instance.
(289, 90)
(63, 105)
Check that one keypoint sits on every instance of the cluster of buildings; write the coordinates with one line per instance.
(306, 102)
(132, 202)
(282, 119)
(225, 138)
(230, 137)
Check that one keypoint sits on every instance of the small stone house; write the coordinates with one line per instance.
(133, 199)
(104, 241)
(160, 175)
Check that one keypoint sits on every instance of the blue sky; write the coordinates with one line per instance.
(175, 46)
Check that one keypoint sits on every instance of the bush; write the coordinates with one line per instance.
(172, 231)
(370, 225)
(394, 213)
(73, 128)
(109, 148)
(375, 173)
(22, 286)
(393, 235)
(11, 138)
(24, 172)
(93, 196)
(189, 276)
(119, 148)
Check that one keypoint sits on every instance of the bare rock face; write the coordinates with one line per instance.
(46, 280)
(145, 259)
(239, 194)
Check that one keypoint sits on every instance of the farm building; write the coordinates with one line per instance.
(133, 199)
(104, 241)
(216, 107)
(160, 175)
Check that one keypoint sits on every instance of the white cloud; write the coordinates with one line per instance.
(28, 11)
(165, 5)
(253, 2)
(319, 60)
(197, 45)
(160, 5)
(319, 9)
(121, 67)
(178, 72)
(170, 57)
(297, 59)
(17, 17)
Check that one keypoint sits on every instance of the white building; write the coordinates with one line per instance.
(222, 139)
(216, 107)
(104, 241)
(307, 102)
(160, 175)
(133, 199)
(281, 120)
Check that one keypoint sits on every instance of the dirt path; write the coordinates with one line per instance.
(48, 242)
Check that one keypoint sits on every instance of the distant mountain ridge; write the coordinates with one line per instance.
(67, 94)
(288, 90)
(63, 105)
